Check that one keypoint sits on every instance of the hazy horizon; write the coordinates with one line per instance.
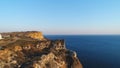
(61, 16)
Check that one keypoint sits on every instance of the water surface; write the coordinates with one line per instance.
(94, 51)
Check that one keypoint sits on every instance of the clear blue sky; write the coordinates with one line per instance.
(61, 16)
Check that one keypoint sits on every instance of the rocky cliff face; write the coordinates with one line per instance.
(35, 35)
(32, 50)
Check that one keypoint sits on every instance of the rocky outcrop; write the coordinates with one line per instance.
(28, 51)
(35, 35)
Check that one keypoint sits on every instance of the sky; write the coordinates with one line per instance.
(61, 16)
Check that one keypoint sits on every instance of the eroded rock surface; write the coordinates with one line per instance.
(32, 50)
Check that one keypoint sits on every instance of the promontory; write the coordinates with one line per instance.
(31, 49)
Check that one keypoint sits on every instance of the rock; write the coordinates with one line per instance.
(29, 50)
(59, 44)
(35, 35)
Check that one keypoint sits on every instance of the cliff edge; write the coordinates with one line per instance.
(32, 50)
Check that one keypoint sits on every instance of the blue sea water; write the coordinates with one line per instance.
(94, 51)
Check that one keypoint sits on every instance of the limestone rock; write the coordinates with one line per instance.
(35, 35)
(28, 50)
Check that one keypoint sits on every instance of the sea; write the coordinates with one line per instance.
(94, 51)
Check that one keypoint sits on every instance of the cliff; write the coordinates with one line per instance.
(32, 50)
